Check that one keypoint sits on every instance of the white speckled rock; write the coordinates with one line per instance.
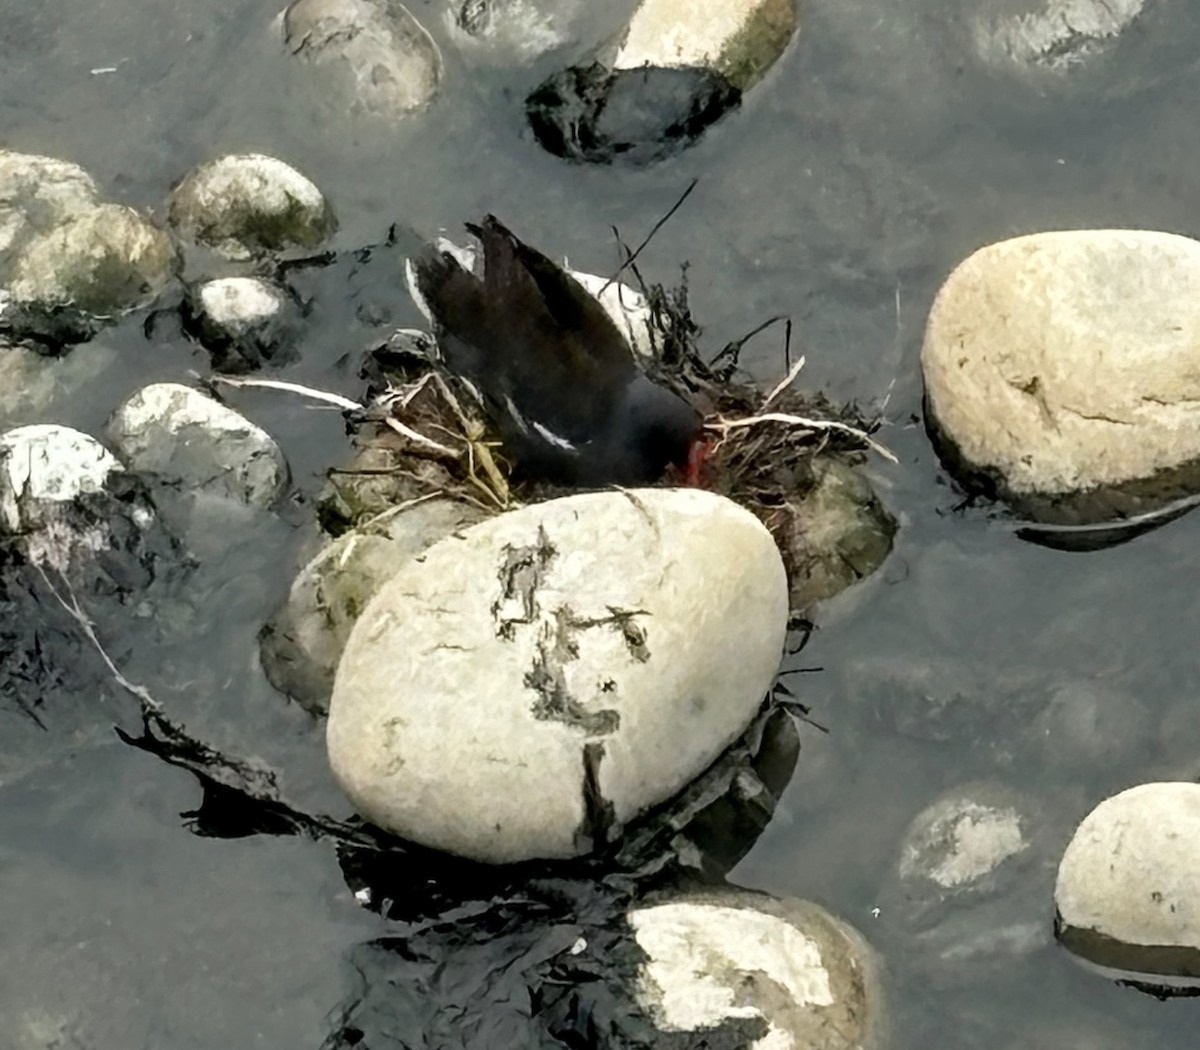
(304, 640)
(525, 684)
(1055, 35)
(184, 436)
(243, 322)
(740, 39)
(522, 29)
(237, 304)
(246, 204)
(44, 469)
(960, 839)
(1060, 363)
(740, 959)
(373, 54)
(1128, 891)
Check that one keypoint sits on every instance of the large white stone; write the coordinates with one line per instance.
(1064, 362)
(1128, 891)
(572, 662)
(244, 204)
(738, 38)
(713, 958)
(184, 436)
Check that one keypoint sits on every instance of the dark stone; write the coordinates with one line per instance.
(594, 114)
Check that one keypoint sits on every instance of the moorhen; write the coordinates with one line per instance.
(551, 368)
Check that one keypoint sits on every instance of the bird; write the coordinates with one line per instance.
(549, 365)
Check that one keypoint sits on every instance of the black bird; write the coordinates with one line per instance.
(553, 371)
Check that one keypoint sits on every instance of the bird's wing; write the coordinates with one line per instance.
(553, 299)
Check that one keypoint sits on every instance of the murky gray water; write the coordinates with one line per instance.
(873, 158)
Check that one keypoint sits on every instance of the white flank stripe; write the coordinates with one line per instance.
(553, 438)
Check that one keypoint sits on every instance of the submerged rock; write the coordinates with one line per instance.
(243, 205)
(302, 643)
(244, 322)
(1062, 371)
(33, 384)
(594, 653)
(679, 67)
(373, 53)
(836, 535)
(526, 28)
(1129, 882)
(185, 438)
(742, 969)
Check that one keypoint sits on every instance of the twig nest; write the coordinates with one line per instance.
(1129, 883)
(1062, 370)
(243, 322)
(301, 645)
(742, 969)
(55, 490)
(187, 439)
(371, 55)
(243, 205)
(594, 653)
(679, 66)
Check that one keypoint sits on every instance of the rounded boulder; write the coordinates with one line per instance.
(186, 438)
(527, 686)
(243, 205)
(1129, 883)
(1062, 370)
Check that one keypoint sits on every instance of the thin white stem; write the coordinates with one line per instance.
(724, 426)
(784, 383)
(291, 388)
(420, 439)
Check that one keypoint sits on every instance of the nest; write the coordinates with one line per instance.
(423, 435)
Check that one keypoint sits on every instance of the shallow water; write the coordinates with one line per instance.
(873, 158)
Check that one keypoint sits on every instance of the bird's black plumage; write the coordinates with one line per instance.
(553, 370)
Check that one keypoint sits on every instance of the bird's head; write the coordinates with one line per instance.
(655, 429)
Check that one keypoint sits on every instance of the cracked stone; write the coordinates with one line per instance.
(561, 669)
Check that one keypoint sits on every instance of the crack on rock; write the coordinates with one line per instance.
(520, 576)
(1032, 388)
(1097, 417)
(599, 824)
